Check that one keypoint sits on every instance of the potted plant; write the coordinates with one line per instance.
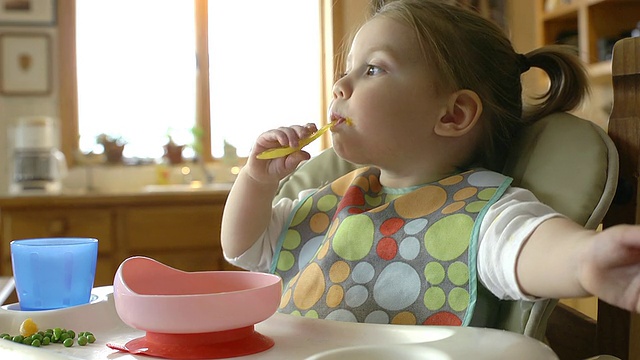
(113, 147)
(173, 152)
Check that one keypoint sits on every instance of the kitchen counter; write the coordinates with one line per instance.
(120, 197)
(180, 228)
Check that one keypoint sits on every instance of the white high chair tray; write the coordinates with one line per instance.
(295, 337)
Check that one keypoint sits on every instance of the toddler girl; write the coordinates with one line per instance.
(430, 103)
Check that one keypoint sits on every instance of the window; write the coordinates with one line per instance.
(267, 74)
(137, 72)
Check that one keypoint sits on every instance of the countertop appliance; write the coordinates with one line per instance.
(38, 166)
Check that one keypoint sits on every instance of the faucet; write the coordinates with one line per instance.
(208, 177)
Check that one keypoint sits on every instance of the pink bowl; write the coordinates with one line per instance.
(154, 297)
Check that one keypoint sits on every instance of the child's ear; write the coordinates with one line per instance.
(463, 111)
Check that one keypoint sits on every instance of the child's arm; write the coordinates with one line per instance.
(247, 211)
(561, 260)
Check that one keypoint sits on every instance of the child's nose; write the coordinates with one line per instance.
(341, 88)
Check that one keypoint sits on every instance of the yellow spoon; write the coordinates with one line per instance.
(286, 150)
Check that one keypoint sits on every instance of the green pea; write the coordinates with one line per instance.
(35, 343)
(3, 335)
(91, 338)
(18, 338)
(37, 336)
(68, 342)
(57, 332)
(82, 340)
(27, 340)
(64, 336)
(46, 340)
(71, 333)
(6, 337)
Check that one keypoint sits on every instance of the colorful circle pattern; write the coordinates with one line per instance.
(375, 258)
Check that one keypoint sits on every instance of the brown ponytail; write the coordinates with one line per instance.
(568, 81)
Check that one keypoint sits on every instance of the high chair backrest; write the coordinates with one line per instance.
(570, 164)
(567, 162)
(617, 330)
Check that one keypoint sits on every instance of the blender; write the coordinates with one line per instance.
(38, 165)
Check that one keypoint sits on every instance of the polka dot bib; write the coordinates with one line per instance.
(355, 251)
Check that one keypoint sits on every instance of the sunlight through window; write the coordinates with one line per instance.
(264, 68)
(137, 71)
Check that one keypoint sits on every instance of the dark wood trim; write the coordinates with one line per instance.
(570, 334)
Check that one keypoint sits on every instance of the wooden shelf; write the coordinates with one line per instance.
(600, 70)
(592, 26)
(561, 11)
(596, 24)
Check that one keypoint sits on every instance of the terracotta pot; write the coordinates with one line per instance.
(113, 152)
(173, 153)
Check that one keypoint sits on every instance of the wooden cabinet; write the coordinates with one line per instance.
(592, 25)
(184, 236)
(61, 222)
(180, 230)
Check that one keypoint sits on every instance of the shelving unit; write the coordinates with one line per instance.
(594, 23)
(592, 26)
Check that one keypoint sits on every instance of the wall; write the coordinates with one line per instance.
(12, 107)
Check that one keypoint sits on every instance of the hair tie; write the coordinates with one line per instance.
(523, 63)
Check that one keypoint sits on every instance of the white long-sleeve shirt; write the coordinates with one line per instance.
(505, 228)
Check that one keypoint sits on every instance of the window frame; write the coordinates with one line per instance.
(338, 19)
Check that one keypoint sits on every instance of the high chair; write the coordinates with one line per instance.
(570, 164)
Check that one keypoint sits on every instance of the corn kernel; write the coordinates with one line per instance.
(28, 327)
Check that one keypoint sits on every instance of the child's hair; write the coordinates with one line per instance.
(471, 52)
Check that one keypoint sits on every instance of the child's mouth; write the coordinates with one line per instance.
(338, 120)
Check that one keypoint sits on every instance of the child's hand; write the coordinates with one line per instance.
(611, 270)
(276, 169)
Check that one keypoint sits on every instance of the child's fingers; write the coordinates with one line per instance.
(285, 136)
(301, 133)
(629, 235)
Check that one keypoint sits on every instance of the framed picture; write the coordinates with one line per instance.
(27, 12)
(25, 64)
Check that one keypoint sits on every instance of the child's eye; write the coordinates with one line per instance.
(373, 70)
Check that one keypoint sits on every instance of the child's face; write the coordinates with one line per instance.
(390, 94)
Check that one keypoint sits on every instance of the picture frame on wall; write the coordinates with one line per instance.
(27, 12)
(25, 64)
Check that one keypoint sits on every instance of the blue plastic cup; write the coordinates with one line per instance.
(53, 273)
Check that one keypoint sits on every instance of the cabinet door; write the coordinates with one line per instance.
(61, 222)
(183, 236)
